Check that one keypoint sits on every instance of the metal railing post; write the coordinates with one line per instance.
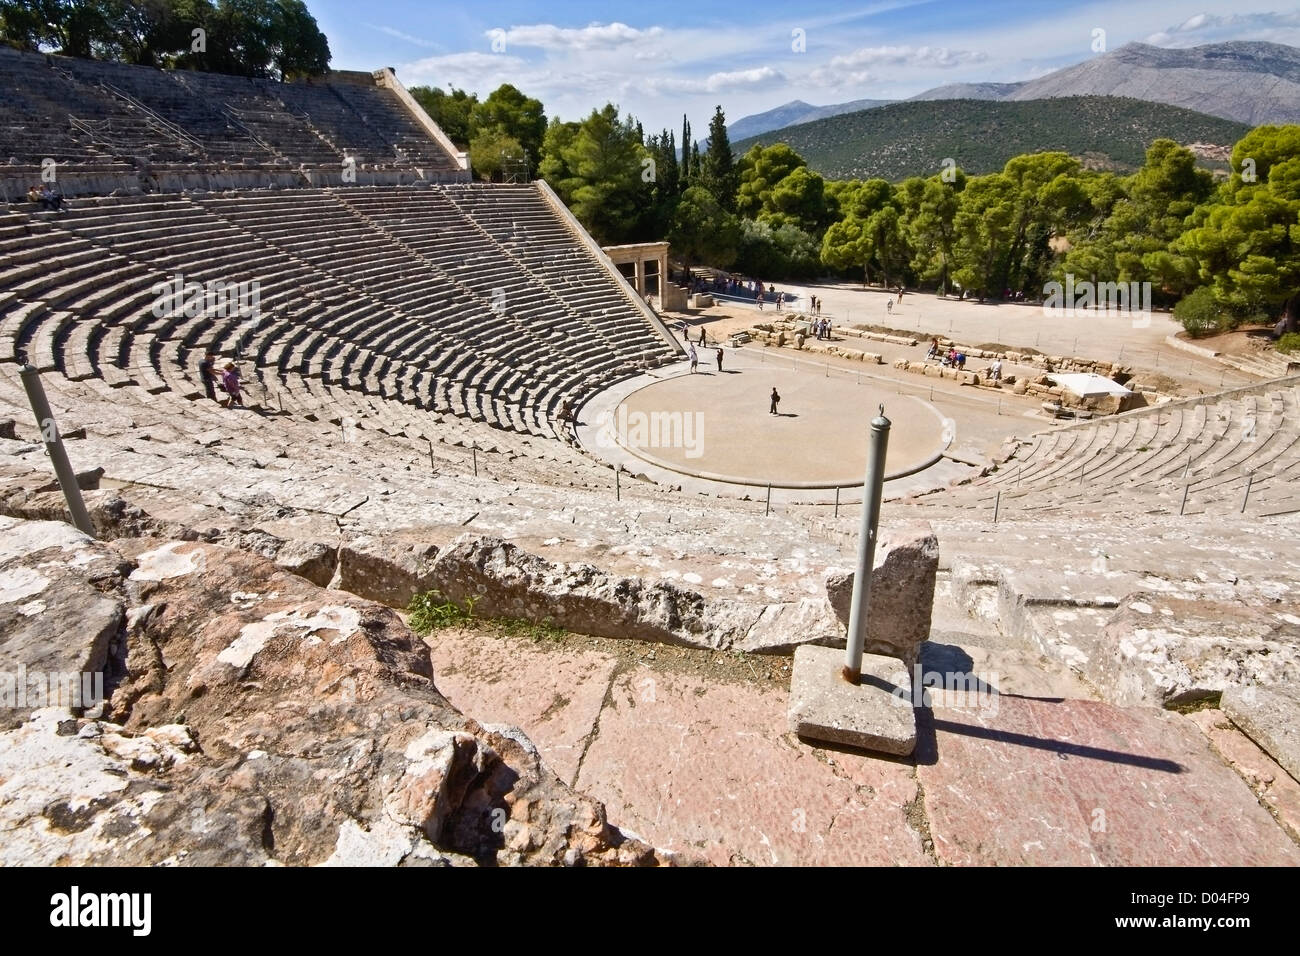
(58, 454)
(872, 486)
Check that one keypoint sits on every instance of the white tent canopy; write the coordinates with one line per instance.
(1085, 384)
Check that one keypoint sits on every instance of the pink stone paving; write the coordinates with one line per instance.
(1275, 787)
(1045, 782)
(553, 695)
(710, 768)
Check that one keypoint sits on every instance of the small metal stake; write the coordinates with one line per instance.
(837, 501)
(1187, 488)
(1250, 478)
(474, 448)
(58, 454)
(430, 441)
(768, 509)
(997, 505)
(872, 485)
(618, 490)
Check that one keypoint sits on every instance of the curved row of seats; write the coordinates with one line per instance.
(406, 314)
(92, 112)
(1208, 449)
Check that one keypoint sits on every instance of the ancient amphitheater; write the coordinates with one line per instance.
(1120, 594)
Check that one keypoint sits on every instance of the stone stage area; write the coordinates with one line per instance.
(718, 424)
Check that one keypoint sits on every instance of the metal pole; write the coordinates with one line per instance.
(997, 505)
(618, 490)
(474, 448)
(1250, 478)
(430, 441)
(768, 510)
(1186, 491)
(54, 445)
(872, 485)
(837, 501)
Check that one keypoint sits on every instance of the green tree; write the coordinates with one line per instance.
(449, 109)
(718, 173)
(983, 229)
(1246, 244)
(595, 167)
(870, 235)
(932, 229)
(495, 155)
(506, 110)
(687, 172)
(666, 187)
(758, 172)
(703, 231)
(798, 200)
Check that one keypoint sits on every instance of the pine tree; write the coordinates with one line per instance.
(718, 174)
(686, 151)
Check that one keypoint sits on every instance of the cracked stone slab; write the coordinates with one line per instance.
(554, 695)
(1072, 782)
(1273, 785)
(711, 767)
(1270, 716)
(60, 611)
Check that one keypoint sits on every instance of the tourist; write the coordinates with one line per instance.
(828, 329)
(759, 300)
(230, 382)
(695, 359)
(934, 349)
(900, 295)
(889, 306)
(960, 361)
(719, 359)
(776, 400)
(995, 371)
(701, 336)
(51, 199)
(780, 297)
(208, 374)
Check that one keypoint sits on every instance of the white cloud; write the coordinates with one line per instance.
(1216, 28)
(926, 56)
(731, 81)
(417, 41)
(594, 36)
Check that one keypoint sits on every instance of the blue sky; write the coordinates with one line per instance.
(658, 60)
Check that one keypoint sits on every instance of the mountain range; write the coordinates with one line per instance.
(918, 138)
(1250, 82)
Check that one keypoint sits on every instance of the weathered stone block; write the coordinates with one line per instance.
(874, 714)
(902, 591)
